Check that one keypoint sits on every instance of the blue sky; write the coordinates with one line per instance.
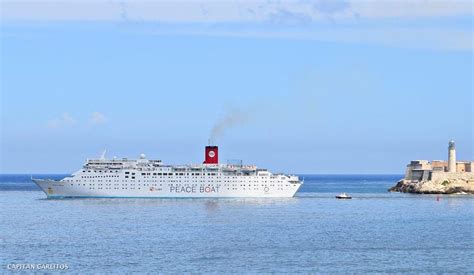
(304, 87)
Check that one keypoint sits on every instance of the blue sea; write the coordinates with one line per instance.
(375, 232)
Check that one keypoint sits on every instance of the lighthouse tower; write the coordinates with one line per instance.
(451, 157)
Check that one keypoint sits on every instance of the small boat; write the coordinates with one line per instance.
(343, 196)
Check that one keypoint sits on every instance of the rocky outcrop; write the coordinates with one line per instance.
(461, 185)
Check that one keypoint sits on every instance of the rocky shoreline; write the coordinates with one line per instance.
(440, 186)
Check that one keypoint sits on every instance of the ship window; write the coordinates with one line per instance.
(127, 172)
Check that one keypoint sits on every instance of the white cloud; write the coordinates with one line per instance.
(64, 120)
(98, 118)
(412, 8)
(226, 11)
(388, 23)
(67, 120)
(414, 38)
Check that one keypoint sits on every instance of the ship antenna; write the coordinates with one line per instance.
(102, 157)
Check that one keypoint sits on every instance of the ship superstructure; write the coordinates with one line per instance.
(151, 178)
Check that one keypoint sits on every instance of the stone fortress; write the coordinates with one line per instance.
(437, 176)
(423, 170)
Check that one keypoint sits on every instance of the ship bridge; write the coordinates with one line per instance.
(121, 163)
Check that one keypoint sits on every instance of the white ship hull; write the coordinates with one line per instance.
(143, 178)
(65, 189)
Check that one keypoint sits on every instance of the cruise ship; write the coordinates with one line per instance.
(146, 178)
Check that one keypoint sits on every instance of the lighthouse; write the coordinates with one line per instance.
(451, 157)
